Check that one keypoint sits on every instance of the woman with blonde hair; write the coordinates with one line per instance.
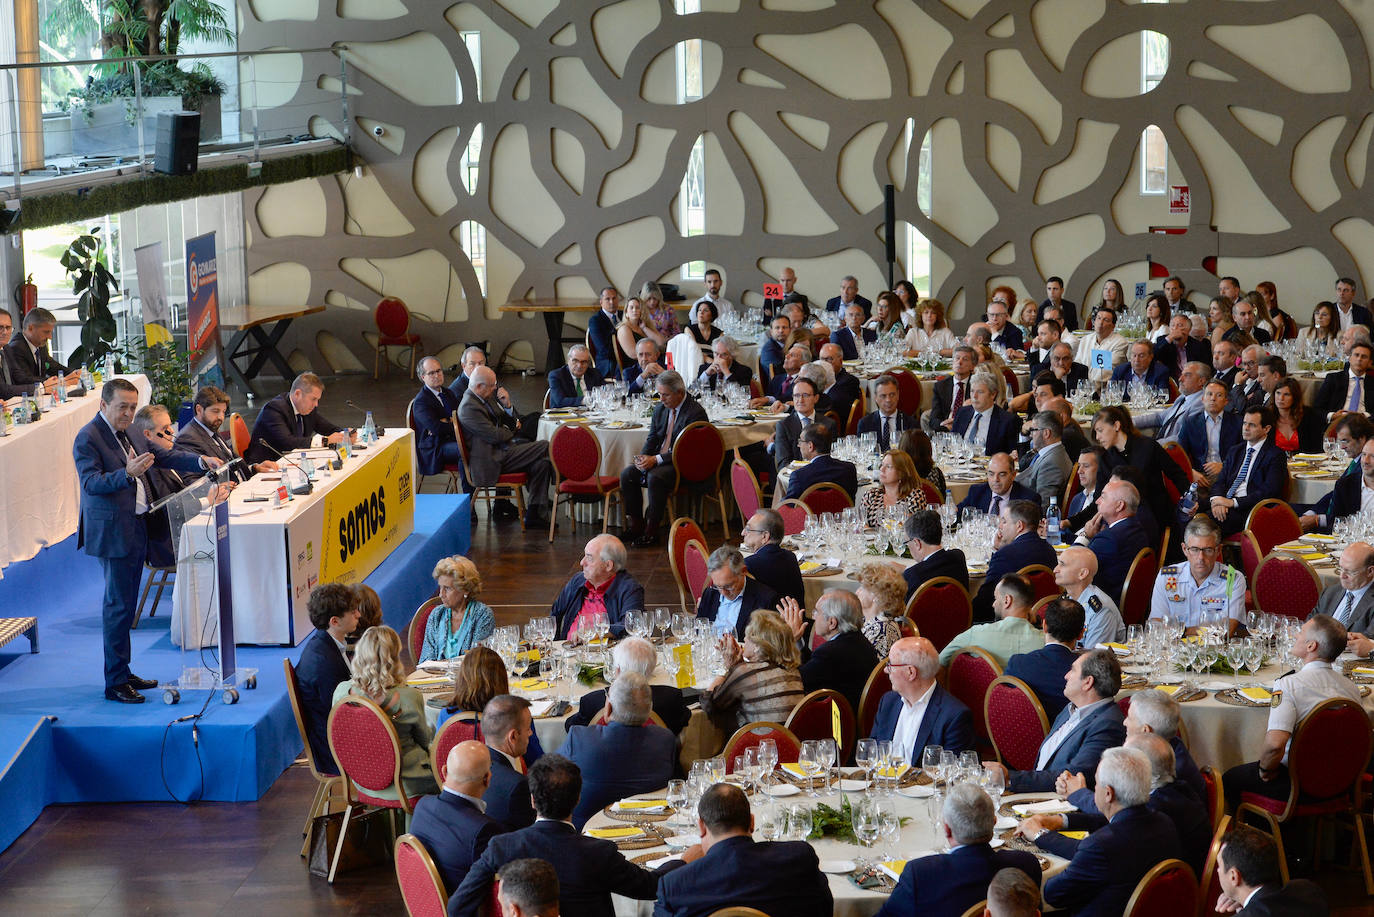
(898, 485)
(762, 679)
(636, 325)
(930, 330)
(882, 595)
(660, 313)
(460, 622)
(379, 676)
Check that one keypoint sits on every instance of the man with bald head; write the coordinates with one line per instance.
(1074, 574)
(1115, 536)
(917, 711)
(454, 825)
(1001, 488)
(492, 451)
(1351, 601)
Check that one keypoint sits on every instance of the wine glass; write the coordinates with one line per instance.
(994, 783)
(1254, 657)
(768, 758)
(829, 757)
(681, 626)
(770, 821)
(663, 623)
(715, 769)
(930, 762)
(1235, 657)
(677, 798)
(891, 825)
(897, 762)
(601, 624)
(864, 753)
(751, 766)
(671, 664)
(868, 826)
(811, 764)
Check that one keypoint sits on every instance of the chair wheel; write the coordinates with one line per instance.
(250, 682)
(170, 696)
(230, 696)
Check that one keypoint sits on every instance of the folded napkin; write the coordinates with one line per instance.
(890, 772)
(1362, 670)
(1074, 835)
(796, 770)
(1048, 807)
(1258, 695)
(670, 858)
(1170, 690)
(893, 868)
(1120, 649)
(531, 684)
(541, 708)
(613, 834)
(642, 805)
(418, 679)
(810, 566)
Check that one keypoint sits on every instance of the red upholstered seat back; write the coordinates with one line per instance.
(575, 452)
(1016, 722)
(421, 886)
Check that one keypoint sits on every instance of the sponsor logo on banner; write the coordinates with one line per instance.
(367, 515)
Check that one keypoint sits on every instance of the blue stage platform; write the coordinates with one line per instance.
(62, 742)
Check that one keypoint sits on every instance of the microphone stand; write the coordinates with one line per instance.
(309, 485)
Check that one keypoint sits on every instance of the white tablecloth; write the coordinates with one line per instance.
(619, 447)
(40, 494)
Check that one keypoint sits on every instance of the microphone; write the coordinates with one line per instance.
(222, 473)
(363, 410)
(309, 485)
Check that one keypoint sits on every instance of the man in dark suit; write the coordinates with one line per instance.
(805, 412)
(1109, 863)
(1048, 332)
(601, 331)
(1351, 601)
(924, 532)
(1255, 470)
(291, 421)
(453, 825)
(950, 392)
(1252, 882)
(635, 654)
(1347, 497)
(770, 354)
(1153, 712)
(948, 884)
(1348, 388)
(770, 563)
(999, 319)
(490, 428)
(1115, 536)
(849, 293)
(1091, 723)
(887, 421)
(603, 585)
(506, 728)
(639, 376)
(589, 869)
(846, 389)
(852, 334)
(201, 434)
(1065, 368)
(989, 427)
(1353, 431)
(431, 413)
(1226, 362)
(732, 596)
(779, 390)
(774, 877)
(1075, 441)
(815, 442)
(626, 756)
(1246, 391)
(28, 358)
(473, 357)
(1244, 313)
(725, 367)
(845, 660)
(1180, 348)
(114, 503)
(1141, 366)
(653, 467)
(999, 490)
(918, 711)
(1210, 434)
(9, 388)
(1046, 669)
(1016, 545)
(1348, 311)
(333, 609)
(1054, 293)
(568, 384)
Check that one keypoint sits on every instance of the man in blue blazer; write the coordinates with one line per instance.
(628, 755)
(846, 389)
(1336, 389)
(887, 421)
(1142, 367)
(917, 711)
(1213, 420)
(1107, 866)
(506, 728)
(291, 421)
(1016, 545)
(604, 584)
(853, 330)
(453, 825)
(845, 659)
(1255, 470)
(431, 413)
(1045, 670)
(115, 497)
(589, 869)
(601, 331)
(996, 428)
(814, 443)
(653, 468)
(924, 532)
(770, 354)
(776, 877)
(1091, 723)
(998, 317)
(569, 384)
(771, 564)
(639, 376)
(948, 884)
(333, 609)
(1115, 536)
(1348, 310)
(1001, 486)
(732, 596)
(849, 294)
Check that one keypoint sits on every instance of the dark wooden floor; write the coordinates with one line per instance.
(243, 858)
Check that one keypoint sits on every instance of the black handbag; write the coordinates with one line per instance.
(368, 842)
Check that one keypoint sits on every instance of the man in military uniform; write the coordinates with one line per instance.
(1201, 586)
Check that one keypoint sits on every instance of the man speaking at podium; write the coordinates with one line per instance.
(290, 422)
(115, 497)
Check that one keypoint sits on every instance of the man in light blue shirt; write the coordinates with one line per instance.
(731, 596)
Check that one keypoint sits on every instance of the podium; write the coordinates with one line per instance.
(187, 510)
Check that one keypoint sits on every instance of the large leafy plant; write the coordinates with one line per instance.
(84, 261)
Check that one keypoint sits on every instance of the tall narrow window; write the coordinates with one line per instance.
(1154, 149)
(472, 236)
(917, 245)
(692, 196)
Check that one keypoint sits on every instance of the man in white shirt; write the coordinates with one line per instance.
(1173, 292)
(1203, 585)
(714, 284)
(1346, 309)
(1104, 338)
(918, 712)
(1074, 574)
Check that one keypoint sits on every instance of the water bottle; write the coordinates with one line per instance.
(1189, 501)
(37, 399)
(109, 366)
(87, 380)
(1052, 530)
(21, 413)
(950, 511)
(369, 429)
(4, 421)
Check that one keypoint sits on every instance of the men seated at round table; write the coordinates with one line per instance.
(1351, 492)
(1075, 574)
(731, 595)
(635, 654)
(845, 658)
(431, 415)
(1046, 466)
(762, 681)
(569, 384)
(845, 388)
(1089, 724)
(1201, 584)
(291, 422)
(1011, 632)
(918, 711)
(603, 587)
(1000, 488)
(454, 825)
(1350, 600)
(981, 422)
(769, 562)
(1255, 470)
(1017, 544)
(948, 884)
(1251, 879)
(201, 434)
(1353, 431)
(725, 366)
(774, 877)
(460, 621)
(491, 428)
(1207, 436)
(814, 444)
(1045, 669)
(508, 730)
(653, 468)
(1141, 367)
(1346, 389)
(1155, 713)
(924, 532)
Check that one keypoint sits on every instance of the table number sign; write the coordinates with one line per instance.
(684, 661)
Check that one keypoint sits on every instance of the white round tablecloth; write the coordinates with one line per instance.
(619, 447)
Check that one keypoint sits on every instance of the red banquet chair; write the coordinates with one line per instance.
(1285, 586)
(1273, 522)
(794, 514)
(461, 727)
(1138, 588)
(1016, 722)
(422, 888)
(1041, 579)
(393, 330)
(575, 453)
(940, 609)
(878, 684)
(813, 718)
(908, 392)
(751, 735)
(687, 554)
(516, 481)
(972, 671)
(748, 494)
(327, 785)
(698, 454)
(826, 497)
(1167, 890)
(415, 630)
(1208, 883)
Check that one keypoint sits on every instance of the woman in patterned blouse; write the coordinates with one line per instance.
(461, 622)
(763, 681)
(898, 485)
(882, 594)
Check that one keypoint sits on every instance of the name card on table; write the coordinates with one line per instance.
(685, 670)
(1102, 359)
(836, 727)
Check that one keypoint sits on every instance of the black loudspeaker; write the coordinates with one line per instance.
(178, 142)
(890, 229)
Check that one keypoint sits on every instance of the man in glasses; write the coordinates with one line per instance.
(918, 712)
(999, 319)
(1201, 585)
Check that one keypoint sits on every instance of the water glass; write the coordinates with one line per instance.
(772, 819)
(677, 798)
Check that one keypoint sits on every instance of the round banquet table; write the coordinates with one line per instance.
(1313, 478)
(918, 838)
(620, 446)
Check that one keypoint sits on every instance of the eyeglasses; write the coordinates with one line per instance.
(898, 665)
(1194, 549)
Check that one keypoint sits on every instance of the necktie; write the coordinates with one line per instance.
(1346, 608)
(4, 370)
(787, 386)
(668, 439)
(125, 443)
(1244, 470)
(958, 396)
(973, 429)
(577, 383)
(887, 432)
(996, 507)
(1169, 423)
(805, 422)
(1356, 395)
(300, 425)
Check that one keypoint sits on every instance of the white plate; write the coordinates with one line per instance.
(853, 786)
(838, 867)
(783, 789)
(1216, 685)
(682, 841)
(917, 792)
(1005, 823)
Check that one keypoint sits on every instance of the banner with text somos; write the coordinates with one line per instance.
(369, 513)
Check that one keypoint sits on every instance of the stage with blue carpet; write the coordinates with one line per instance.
(62, 742)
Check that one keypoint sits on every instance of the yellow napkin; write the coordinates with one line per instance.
(532, 684)
(1074, 835)
(427, 679)
(641, 803)
(890, 772)
(811, 566)
(893, 868)
(794, 769)
(1313, 555)
(1170, 690)
(529, 655)
(1362, 670)
(611, 834)
(1258, 695)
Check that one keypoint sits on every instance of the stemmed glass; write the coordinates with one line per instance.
(682, 626)
(896, 758)
(1235, 656)
(930, 762)
(867, 818)
(994, 783)
(663, 622)
(864, 753)
(671, 664)
(601, 625)
(768, 759)
(829, 757)
(811, 761)
(677, 798)
(1254, 657)
(891, 825)
(715, 770)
